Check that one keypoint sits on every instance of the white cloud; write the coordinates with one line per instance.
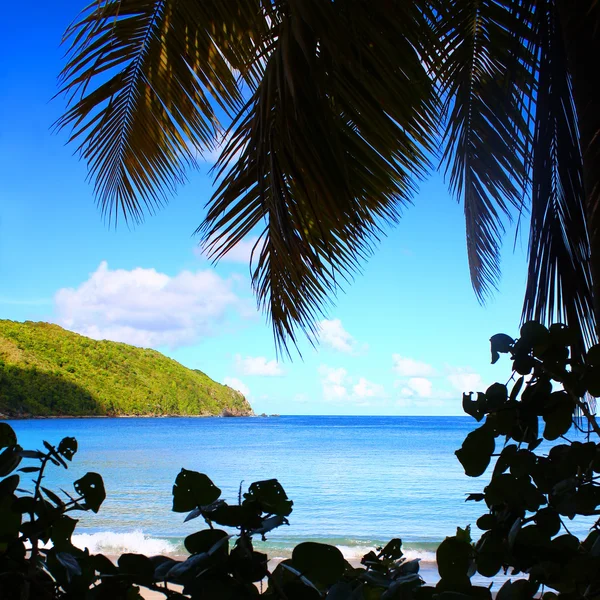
(238, 385)
(147, 308)
(333, 382)
(420, 386)
(333, 334)
(367, 389)
(338, 387)
(419, 392)
(465, 380)
(408, 367)
(257, 365)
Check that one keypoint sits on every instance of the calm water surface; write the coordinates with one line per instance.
(355, 481)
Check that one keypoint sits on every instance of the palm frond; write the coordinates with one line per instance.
(142, 80)
(327, 151)
(483, 72)
(559, 283)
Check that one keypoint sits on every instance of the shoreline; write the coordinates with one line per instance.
(50, 417)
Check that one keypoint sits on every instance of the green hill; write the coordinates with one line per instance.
(48, 371)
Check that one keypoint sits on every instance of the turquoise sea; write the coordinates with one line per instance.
(356, 482)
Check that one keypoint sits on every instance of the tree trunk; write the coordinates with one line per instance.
(580, 23)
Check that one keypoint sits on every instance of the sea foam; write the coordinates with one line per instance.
(135, 542)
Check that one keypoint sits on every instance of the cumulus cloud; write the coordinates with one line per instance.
(257, 365)
(338, 386)
(367, 389)
(464, 380)
(333, 382)
(238, 385)
(419, 386)
(333, 335)
(146, 308)
(408, 367)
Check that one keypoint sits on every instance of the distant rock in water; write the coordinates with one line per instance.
(47, 371)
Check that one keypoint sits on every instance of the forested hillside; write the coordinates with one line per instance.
(48, 371)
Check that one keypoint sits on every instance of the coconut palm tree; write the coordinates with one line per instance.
(330, 112)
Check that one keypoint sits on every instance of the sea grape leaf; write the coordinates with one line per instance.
(269, 524)
(9, 460)
(271, 497)
(592, 381)
(593, 356)
(69, 562)
(523, 364)
(203, 541)
(10, 518)
(91, 487)
(393, 549)
(475, 408)
(496, 396)
(8, 437)
(61, 532)
(501, 344)
(320, 563)
(476, 451)
(548, 521)
(561, 335)
(454, 558)
(534, 334)
(192, 490)
(558, 415)
(140, 567)
(9, 485)
(246, 516)
(103, 565)
(67, 447)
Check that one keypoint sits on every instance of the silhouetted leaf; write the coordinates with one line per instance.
(558, 415)
(534, 334)
(475, 408)
(9, 485)
(67, 447)
(9, 460)
(271, 497)
(454, 558)
(7, 435)
(500, 344)
(69, 562)
(138, 566)
(193, 490)
(91, 487)
(320, 563)
(203, 541)
(476, 451)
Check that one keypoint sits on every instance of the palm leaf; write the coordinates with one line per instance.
(326, 152)
(482, 70)
(156, 69)
(559, 284)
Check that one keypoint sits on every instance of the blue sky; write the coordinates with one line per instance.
(405, 338)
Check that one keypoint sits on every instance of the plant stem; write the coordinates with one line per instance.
(36, 497)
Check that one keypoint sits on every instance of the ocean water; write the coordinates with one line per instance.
(356, 482)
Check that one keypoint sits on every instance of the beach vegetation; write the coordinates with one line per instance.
(46, 370)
